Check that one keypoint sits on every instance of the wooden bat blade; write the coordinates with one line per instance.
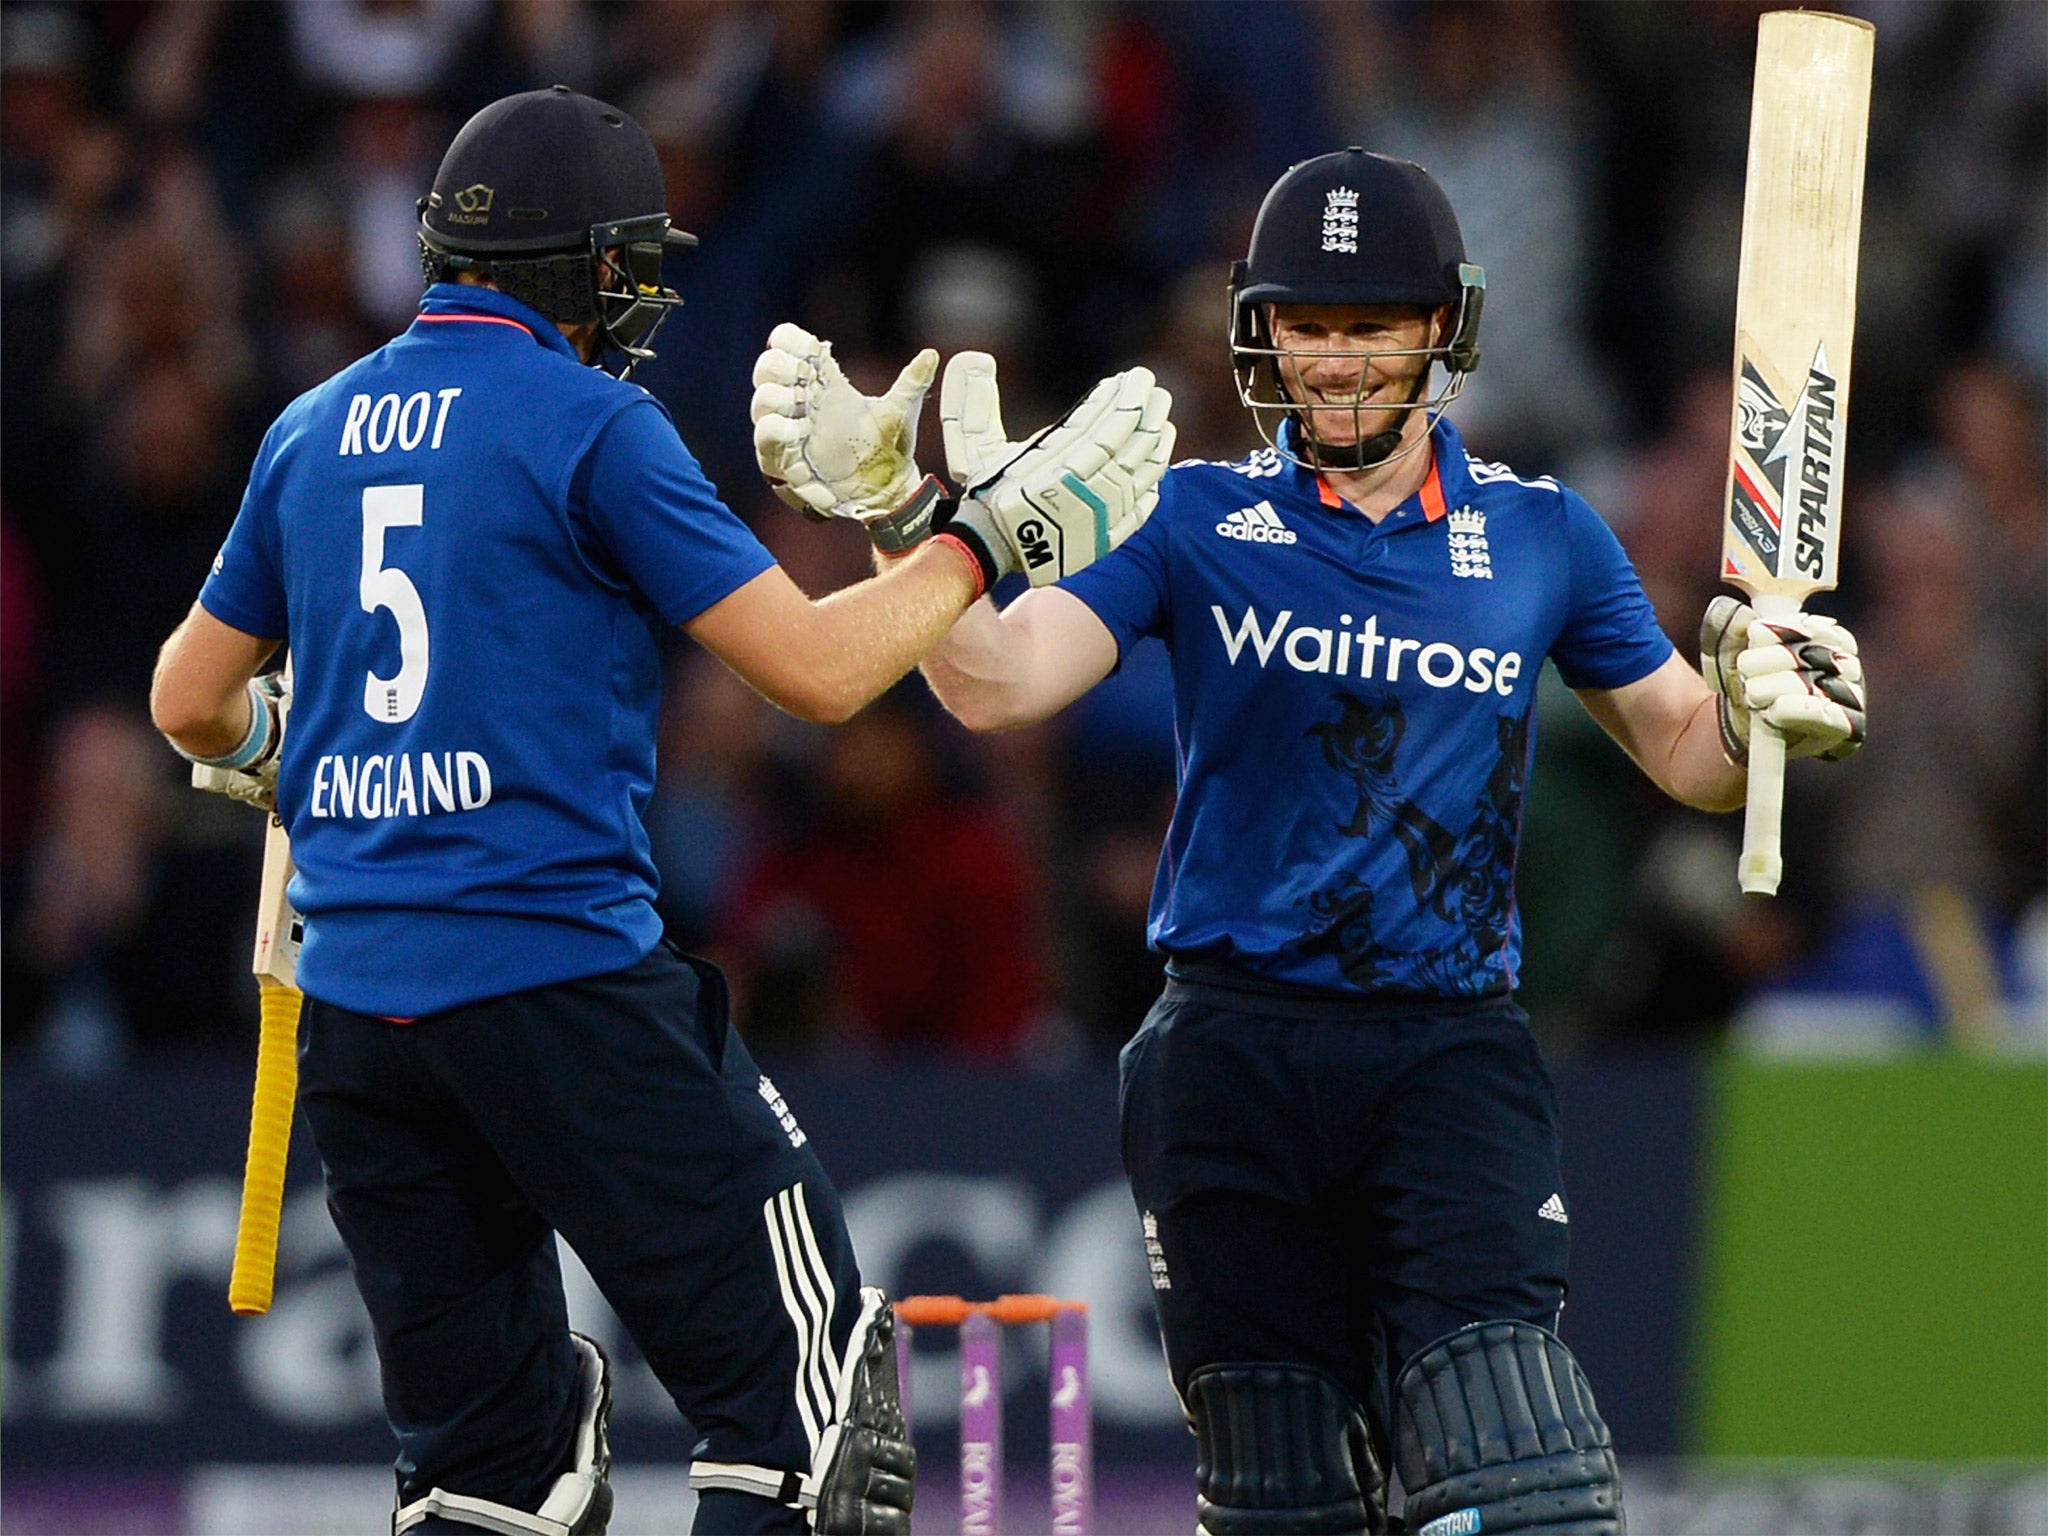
(1795, 326)
(279, 928)
(1795, 306)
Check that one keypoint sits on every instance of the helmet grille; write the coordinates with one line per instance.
(560, 287)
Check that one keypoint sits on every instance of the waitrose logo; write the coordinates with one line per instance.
(1350, 649)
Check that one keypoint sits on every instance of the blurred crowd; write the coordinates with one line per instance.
(207, 207)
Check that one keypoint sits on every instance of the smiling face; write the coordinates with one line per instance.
(1355, 368)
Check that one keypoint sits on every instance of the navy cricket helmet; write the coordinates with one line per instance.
(1351, 228)
(536, 193)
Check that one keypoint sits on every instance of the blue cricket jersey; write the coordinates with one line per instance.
(1354, 708)
(473, 543)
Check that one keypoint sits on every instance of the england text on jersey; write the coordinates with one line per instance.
(375, 785)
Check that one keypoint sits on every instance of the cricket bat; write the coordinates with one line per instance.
(1795, 318)
(279, 929)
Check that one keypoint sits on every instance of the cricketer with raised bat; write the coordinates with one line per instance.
(476, 541)
(1341, 1141)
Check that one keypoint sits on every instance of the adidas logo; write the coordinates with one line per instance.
(1256, 525)
(1553, 1210)
(1469, 553)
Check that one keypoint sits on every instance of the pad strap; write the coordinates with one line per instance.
(483, 1514)
(785, 1488)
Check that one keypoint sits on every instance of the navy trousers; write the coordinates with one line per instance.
(624, 1113)
(1337, 1182)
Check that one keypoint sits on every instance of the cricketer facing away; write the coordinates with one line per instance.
(474, 542)
(1342, 1144)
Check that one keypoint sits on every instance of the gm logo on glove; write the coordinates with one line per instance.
(1032, 543)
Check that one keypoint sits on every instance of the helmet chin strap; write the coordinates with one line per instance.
(1366, 453)
(1360, 455)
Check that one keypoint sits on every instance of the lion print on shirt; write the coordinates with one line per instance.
(1466, 879)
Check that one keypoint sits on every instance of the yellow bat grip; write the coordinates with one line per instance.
(270, 1139)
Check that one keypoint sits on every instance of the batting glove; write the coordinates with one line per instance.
(1058, 502)
(1800, 673)
(830, 451)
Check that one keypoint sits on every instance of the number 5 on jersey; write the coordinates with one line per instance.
(394, 700)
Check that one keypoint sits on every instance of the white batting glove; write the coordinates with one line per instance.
(1055, 503)
(830, 451)
(1800, 673)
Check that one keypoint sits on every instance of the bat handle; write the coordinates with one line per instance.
(270, 1134)
(1762, 863)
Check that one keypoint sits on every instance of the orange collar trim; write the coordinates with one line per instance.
(477, 320)
(1433, 496)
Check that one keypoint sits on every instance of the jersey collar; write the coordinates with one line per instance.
(1449, 483)
(456, 302)
(1452, 475)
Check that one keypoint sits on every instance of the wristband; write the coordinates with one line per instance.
(256, 747)
(906, 527)
(977, 559)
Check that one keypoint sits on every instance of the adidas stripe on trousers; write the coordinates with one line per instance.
(625, 1113)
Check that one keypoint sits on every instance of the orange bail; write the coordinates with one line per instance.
(952, 1311)
(932, 1311)
(1029, 1309)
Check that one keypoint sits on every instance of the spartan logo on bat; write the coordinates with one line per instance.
(1789, 461)
(1819, 477)
(1760, 419)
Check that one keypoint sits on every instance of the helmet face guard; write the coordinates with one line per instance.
(631, 301)
(1260, 366)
